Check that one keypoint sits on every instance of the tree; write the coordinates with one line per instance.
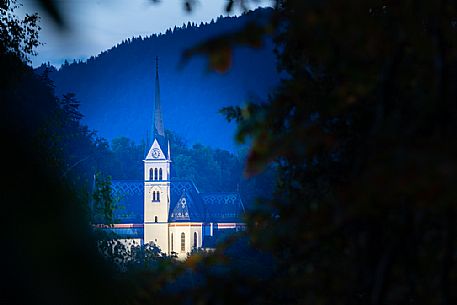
(357, 131)
(104, 203)
(50, 247)
(17, 36)
(126, 161)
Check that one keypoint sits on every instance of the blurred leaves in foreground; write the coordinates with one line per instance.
(363, 131)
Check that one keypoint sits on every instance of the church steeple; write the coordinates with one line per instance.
(159, 148)
(158, 130)
(157, 180)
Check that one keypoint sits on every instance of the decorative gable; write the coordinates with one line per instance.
(181, 210)
(155, 152)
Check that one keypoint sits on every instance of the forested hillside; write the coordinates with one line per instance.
(211, 170)
(116, 87)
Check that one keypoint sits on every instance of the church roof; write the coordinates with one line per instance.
(223, 207)
(186, 203)
(204, 207)
(128, 196)
(128, 233)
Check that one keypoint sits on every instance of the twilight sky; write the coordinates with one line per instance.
(97, 25)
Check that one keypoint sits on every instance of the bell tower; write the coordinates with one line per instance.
(157, 180)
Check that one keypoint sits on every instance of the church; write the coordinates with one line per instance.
(172, 214)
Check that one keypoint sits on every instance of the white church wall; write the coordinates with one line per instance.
(149, 176)
(188, 229)
(198, 230)
(156, 208)
(158, 234)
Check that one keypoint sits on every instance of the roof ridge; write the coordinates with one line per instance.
(213, 193)
(126, 180)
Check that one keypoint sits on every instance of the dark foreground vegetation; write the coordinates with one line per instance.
(362, 134)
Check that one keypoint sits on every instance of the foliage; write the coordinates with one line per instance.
(125, 159)
(104, 203)
(128, 255)
(364, 211)
(212, 170)
(72, 148)
(51, 256)
(17, 36)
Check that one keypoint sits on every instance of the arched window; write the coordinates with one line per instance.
(151, 172)
(155, 174)
(171, 242)
(155, 218)
(154, 196)
(160, 174)
(183, 242)
(195, 239)
(158, 196)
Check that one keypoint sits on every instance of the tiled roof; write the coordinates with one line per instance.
(129, 196)
(186, 203)
(223, 207)
(127, 231)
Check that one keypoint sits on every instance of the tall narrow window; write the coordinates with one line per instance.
(195, 239)
(158, 196)
(171, 242)
(160, 174)
(154, 196)
(155, 174)
(155, 218)
(151, 173)
(183, 242)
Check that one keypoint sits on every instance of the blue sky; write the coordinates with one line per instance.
(97, 25)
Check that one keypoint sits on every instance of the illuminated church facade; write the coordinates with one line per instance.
(172, 214)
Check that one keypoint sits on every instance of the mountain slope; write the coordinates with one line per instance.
(116, 88)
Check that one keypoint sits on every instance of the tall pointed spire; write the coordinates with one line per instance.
(158, 122)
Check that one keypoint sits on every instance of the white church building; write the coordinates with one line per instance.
(172, 214)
